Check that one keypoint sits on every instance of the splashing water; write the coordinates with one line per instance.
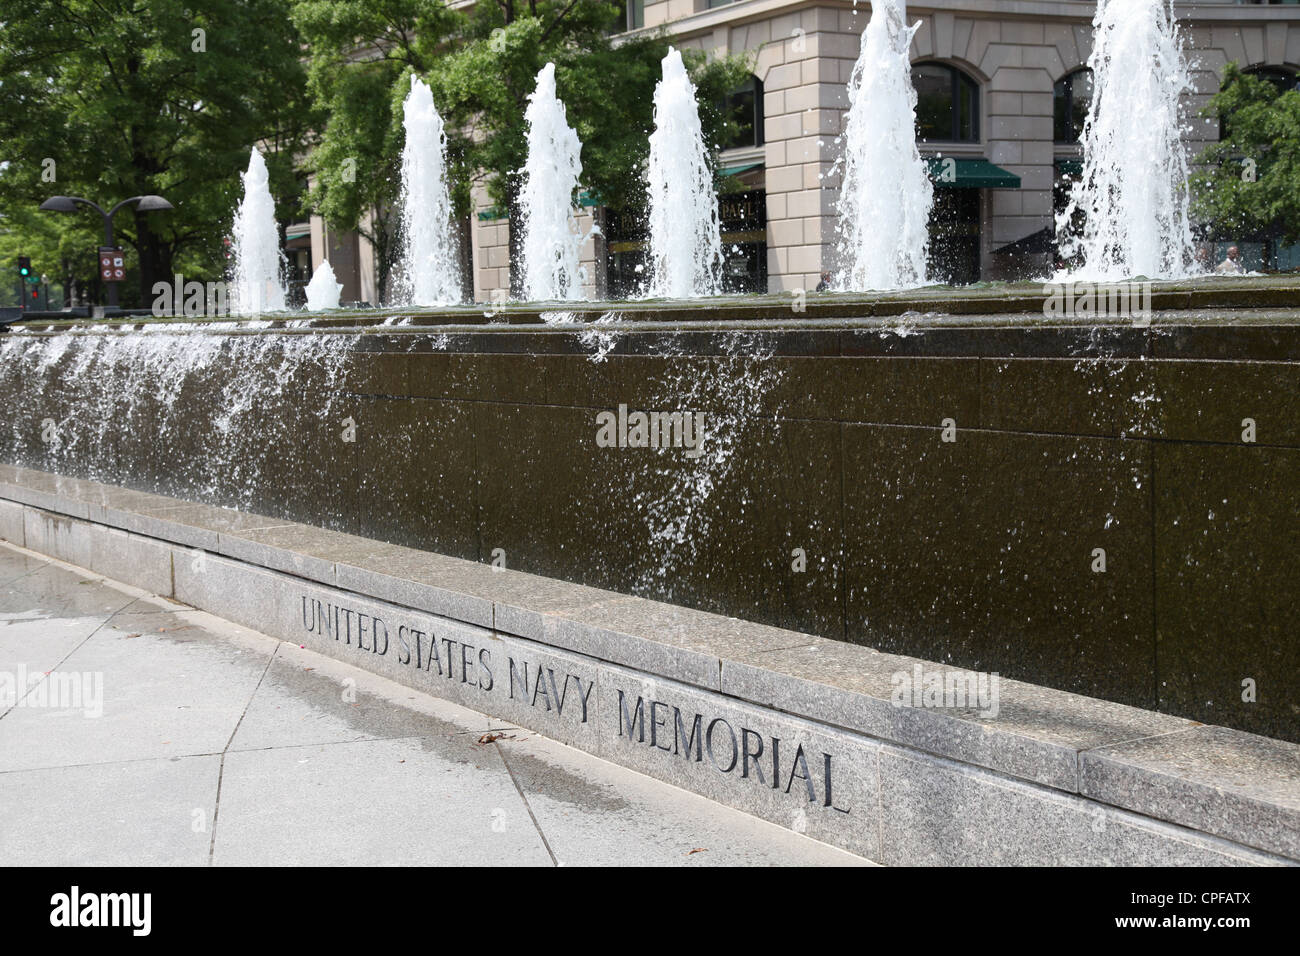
(685, 245)
(430, 268)
(257, 285)
(1134, 186)
(552, 241)
(212, 388)
(675, 512)
(323, 289)
(254, 412)
(885, 199)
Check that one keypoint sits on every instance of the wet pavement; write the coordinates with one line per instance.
(137, 731)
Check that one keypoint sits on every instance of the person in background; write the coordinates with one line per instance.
(825, 284)
(1204, 262)
(1230, 266)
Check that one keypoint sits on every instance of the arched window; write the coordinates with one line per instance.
(744, 107)
(947, 104)
(1282, 79)
(634, 14)
(1071, 99)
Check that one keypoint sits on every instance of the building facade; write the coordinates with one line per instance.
(1002, 90)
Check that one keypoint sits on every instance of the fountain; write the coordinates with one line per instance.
(885, 199)
(257, 284)
(1133, 193)
(685, 245)
(552, 241)
(430, 267)
(323, 289)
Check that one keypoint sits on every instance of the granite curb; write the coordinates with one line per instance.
(1224, 783)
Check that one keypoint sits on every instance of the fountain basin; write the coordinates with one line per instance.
(992, 303)
(474, 436)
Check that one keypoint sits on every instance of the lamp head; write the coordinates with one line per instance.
(59, 204)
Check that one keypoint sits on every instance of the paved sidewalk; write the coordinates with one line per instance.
(149, 733)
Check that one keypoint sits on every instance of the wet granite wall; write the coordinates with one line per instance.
(983, 551)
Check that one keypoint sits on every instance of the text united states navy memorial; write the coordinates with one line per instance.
(512, 676)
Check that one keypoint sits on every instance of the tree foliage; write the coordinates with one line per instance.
(360, 53)
(482, 66)
(1249, 183)
(133, 97)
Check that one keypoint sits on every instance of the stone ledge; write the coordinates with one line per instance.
(1219, 782)
(1240, 785)
(1038, 733)
(995, 304)
(885, 802)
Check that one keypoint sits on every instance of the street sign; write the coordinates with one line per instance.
(112, 264)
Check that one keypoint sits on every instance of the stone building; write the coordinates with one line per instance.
(1002, 86)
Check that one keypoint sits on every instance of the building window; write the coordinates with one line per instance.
(742, 220)
(744, 108)
(1072, 98)
(632, 17)
(1283, 81)
(1261, 250)
(947, 104)
(954, 252)
(635, 14)
(626, 264)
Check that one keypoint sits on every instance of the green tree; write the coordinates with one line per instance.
(361, 51)
(1249, 182)
(63, 248)
(482, 66)
(482, 88)
(114, 98)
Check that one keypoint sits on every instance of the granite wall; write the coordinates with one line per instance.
(1109, 510)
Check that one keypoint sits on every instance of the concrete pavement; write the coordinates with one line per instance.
(137, 731)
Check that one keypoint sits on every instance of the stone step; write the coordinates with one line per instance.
(901, 760)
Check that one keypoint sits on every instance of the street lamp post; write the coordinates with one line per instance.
(69, 204)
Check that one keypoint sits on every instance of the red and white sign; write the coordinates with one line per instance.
(112, 264)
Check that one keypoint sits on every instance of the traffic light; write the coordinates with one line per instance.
(24, 267)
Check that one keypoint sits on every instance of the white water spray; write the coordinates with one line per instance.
(685, 245)
(430, 270)
(257, 284)
(552, 240)
(885, 199)
(207, 385)
(323, 289)
(1134, 187)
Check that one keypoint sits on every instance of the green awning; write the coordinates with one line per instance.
(737, 170)
(1069, 167)
(296, 235)
(970, 174)
(487, 215)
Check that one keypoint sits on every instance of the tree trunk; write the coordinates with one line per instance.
(155, 257)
